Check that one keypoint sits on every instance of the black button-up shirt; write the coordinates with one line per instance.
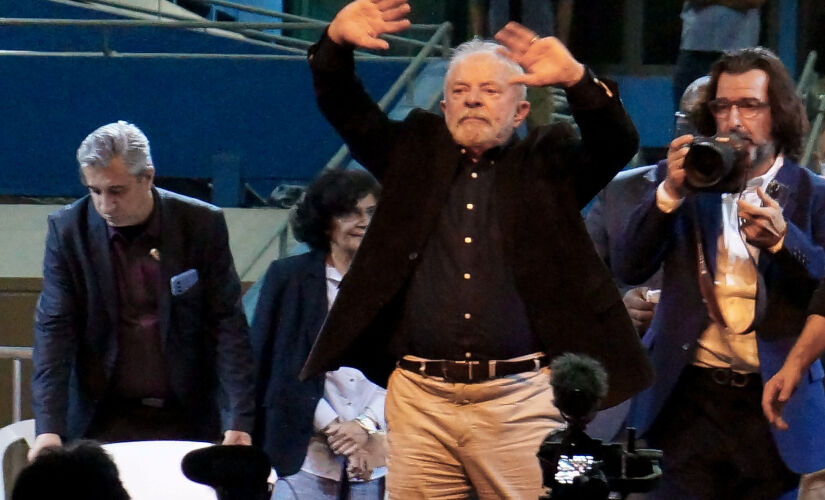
(462, 301)
(140, 369)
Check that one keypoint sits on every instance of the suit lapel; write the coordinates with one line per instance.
(102, 260)
(171, 257)
(315, 295)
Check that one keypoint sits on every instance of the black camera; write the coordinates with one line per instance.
(717, 164)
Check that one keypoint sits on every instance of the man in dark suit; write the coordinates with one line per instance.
(138, 332)
(477, 268)
(739, 271)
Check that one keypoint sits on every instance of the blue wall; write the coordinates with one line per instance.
(649, 102)
(235, 120)
(258, 117)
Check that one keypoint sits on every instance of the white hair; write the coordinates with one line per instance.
(479, 46)
(120, 139)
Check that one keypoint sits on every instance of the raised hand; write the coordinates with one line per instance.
(546, 61)
(361, 22)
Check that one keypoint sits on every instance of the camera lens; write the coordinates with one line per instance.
(704, 164)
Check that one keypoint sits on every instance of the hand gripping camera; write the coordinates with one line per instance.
(576, 466)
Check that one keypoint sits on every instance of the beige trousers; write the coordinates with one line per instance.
(447, 440)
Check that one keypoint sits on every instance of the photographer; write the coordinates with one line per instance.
(742, 259)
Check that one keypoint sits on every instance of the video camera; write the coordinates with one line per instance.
(576, 466)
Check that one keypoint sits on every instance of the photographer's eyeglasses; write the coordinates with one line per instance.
(356, 214)
(748, 107)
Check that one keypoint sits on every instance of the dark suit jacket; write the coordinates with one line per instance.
(203, 330)
(791, 275)
(571, 301)
(291, 308)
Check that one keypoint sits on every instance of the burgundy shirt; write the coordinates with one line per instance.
(140, 369)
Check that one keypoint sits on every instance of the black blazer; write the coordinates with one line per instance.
(291, 308)
(203, 330)
(571, 301)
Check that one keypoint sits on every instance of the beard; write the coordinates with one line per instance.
(477, 131)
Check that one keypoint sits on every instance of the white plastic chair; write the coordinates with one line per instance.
(15, 440)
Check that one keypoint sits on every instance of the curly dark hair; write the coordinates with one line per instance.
(80, 470)
(789, 124)
(331, 194)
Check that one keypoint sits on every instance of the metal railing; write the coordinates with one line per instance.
(437, 45)
(17, 355)
(439, 41)
(814, 137)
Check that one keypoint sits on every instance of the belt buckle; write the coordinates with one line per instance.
(153, 402)
(462, 363)
(721, 376)
(739, 379)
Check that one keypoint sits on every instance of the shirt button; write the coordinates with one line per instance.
(492, 162)
(466, 276)
(413, 256)
(685, 346)
(467, 316)
(469, 206)
(468, 240)
(474, 175)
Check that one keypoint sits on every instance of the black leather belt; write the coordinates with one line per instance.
(471, 371)
(726, 376)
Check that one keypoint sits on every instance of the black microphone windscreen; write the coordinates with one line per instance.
(579, 383)
(227, 466)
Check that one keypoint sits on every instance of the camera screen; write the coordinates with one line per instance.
(569, 468)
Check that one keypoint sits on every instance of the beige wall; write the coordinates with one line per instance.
(253, 238)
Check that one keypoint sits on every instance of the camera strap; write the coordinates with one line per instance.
(708, 289)
(706, 286)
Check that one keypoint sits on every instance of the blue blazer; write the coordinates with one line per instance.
(653, 238)
(291, 308)
(203, 330)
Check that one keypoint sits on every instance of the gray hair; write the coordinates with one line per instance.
(479, 46)
(116, 139)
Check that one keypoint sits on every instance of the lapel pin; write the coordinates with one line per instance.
(155, 253)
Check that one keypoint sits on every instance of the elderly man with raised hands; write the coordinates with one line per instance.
(477, 268)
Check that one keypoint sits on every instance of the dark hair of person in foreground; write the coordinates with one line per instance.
(82, 470)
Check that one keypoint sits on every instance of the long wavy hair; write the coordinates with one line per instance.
(789, 123)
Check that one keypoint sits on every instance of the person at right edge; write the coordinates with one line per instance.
(739, 271)
(477, 268)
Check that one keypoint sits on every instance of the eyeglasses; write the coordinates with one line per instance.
(748, 107)
(356, 214)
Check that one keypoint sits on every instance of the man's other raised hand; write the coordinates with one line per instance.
(362, 22)
(546, 61)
